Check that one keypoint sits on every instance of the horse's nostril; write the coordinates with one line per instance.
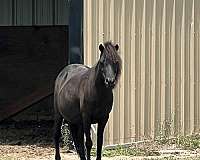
(110, 81)
(107, 80)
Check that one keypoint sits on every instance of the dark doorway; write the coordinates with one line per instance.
(30, 59)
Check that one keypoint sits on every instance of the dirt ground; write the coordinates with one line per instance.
(33, 141)
(33, 152)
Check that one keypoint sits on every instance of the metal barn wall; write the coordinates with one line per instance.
(33, 12)
(159, 89)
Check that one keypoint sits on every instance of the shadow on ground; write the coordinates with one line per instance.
(26, 133)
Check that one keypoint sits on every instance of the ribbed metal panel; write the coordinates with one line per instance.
(158, 92)
(44, 11)
(61, 12)
(22, 12)
(6, 12)
(33, 12)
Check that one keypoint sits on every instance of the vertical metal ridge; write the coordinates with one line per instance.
(54, 12)
(13, 12)
(121, 83)
(33, 12)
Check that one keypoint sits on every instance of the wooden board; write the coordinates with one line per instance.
(30, 59)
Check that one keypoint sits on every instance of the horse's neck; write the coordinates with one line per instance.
(94, 77)
(95, 86)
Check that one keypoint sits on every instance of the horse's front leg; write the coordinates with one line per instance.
(100, 130)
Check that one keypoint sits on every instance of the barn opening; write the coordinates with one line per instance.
(33, 49)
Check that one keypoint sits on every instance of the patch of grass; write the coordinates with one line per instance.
(165, 158)
(120, 151)
(191, 142)
(152, 148)
(175, 158)
(188, 142)
(123, 151)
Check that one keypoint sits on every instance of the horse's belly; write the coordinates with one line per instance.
(71, 113)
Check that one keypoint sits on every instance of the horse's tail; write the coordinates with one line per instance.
(57, 121)
(55, 103)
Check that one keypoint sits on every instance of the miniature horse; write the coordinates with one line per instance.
(83, 96)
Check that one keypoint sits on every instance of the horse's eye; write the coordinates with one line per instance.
(116, 67)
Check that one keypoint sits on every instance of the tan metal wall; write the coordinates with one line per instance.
(159, 40)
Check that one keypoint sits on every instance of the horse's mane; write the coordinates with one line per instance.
(112, 54)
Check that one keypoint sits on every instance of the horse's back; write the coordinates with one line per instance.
(67, 73)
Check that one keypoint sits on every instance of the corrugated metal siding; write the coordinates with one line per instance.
(33, 12)
(62, 12)
(6, 12)
(158, 92)
(22, 12)
(44, 11)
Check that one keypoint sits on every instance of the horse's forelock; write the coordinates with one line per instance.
(112, 54)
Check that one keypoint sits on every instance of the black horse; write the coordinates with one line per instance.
(83, 96)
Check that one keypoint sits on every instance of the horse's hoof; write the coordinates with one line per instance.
(57, 158)
(82, 158)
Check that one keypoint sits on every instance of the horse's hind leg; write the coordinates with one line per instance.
(57, 134)
(88, 143)
(78, 138)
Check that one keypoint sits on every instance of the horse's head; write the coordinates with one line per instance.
(109, 64)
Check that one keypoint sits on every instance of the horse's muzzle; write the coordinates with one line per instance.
(110, 82)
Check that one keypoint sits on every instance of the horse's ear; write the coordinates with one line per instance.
(101, 48)
(116, 47)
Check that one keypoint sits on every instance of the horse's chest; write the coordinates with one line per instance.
(98, 105)
(99, 110)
